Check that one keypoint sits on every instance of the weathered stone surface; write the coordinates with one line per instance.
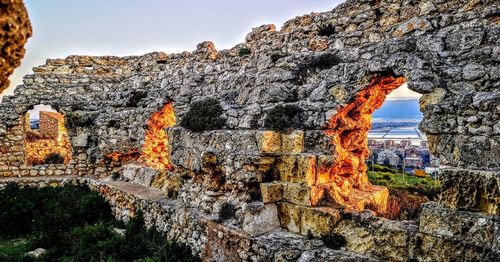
(15, 31)
(271, 192)
(269, 142)
(471, 190)
(446, 50)
(297, 194)
(292, 143)
(318, 221)
(474, 228)
(260, 218)
(297, 168)
(290, 216)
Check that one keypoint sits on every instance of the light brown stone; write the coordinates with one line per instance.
(297, 194)
(292, 143)
(271, 192)
(269, 142)
(297, 169)
(318, 221)
(289, 216)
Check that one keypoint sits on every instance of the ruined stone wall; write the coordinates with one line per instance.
(14, 158)
(449, 51)
(446, 50)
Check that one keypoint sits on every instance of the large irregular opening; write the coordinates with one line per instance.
(343, 179)
(156, 148)
(400, 158)
(46, 138)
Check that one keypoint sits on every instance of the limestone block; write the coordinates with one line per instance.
(297, 194)
(289, 217)
(318, 221)
(292, 143)
(271, 192)
(297, 169)
(269, 142)
(391, 239)
(259, 218)
(471, 190)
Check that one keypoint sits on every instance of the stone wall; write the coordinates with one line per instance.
(323, 63)
(454, 63)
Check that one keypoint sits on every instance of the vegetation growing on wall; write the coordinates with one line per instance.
(244, 52)
(277, 56)
(74, 223)
(407, 192)
(326, 30)
(74, 120)
(282, 118)
(204, 115)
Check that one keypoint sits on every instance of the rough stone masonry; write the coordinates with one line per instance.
(447, 50)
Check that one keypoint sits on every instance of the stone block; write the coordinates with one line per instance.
(469, 227)
(269, 142)
(293, 142)
(431, 248)
(289, 216)
(297, 169)
(297, 194)
(473, 190)
(259, 218)
(318, 221)
(271, 192)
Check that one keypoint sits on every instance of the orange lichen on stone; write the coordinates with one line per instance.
(123, 157)
(156, 148)
(342, 179)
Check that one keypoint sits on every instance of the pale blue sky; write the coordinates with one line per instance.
(136, 27)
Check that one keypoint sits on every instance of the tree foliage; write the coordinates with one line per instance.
(74, 223)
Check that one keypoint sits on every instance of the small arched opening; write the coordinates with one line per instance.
(46, 138)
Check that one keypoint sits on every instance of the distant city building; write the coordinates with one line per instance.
(413, 162)
(388, 157)
(406, 143)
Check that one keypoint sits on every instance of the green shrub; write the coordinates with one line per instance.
(277, 56)
(244, 52)
(334, 241)
(135, 98)
(321, 61)
(74, 120)
(54, 158)
(227, 211)
(326, 30)
(74, 223)
(282, 118)
(204, 115)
